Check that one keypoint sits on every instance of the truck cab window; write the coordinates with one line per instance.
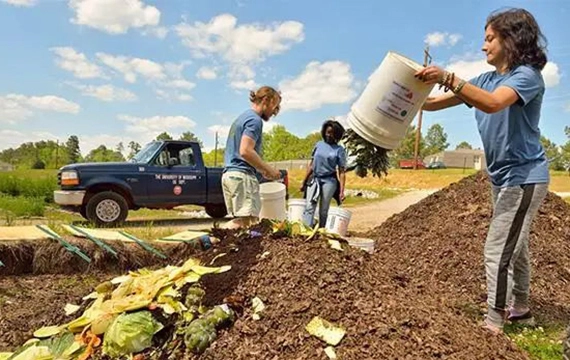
(181, 154)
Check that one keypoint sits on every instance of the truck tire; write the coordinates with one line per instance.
(217, 211)
(107, 208)
(83, 212)
(566, 355)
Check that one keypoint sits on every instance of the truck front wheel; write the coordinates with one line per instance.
(107, 208)
(217, 211)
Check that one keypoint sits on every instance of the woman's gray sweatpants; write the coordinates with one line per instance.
(507, 259)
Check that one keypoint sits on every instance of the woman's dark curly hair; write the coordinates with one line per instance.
(338, 129)
(521, 37)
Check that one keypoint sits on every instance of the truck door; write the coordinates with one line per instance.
(178, 177)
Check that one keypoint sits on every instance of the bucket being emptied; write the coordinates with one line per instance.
(362, 243)
(273, 205)
(389, 103)
(338, 220)
(296, 209)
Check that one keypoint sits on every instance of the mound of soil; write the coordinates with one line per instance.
(28, 303)
(440, 240)
(384, 317)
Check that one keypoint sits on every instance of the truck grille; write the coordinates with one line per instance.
(59, 179)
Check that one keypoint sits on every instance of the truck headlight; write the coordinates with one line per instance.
(69, 177)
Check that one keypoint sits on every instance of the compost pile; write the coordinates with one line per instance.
(419, 296)
(440, 241)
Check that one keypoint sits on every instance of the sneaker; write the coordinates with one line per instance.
(524, 319)
(493, 329)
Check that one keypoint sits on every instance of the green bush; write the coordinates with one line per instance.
(34, 184)
(20, 206)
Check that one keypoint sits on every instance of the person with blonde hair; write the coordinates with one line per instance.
(242, 159)
(507, 105)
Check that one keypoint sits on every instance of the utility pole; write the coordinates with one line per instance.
(216, 151)
(427, 61)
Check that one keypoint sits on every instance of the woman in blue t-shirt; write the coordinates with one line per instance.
(507, 105)
(325, 178)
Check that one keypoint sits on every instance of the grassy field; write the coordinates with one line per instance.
(541, 343)
(424, 179)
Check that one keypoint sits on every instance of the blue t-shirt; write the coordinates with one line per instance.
(511, 137)
(249, 123)
(326, 158)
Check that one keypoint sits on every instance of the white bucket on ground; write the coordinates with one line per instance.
(273, 201)
(389, 103)
(338, 220)
(296, 209)
(362, 243)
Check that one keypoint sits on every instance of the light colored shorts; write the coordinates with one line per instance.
(241, 194)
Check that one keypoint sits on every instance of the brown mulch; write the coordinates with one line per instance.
(440, 241)
(28, 303)
(421, 295)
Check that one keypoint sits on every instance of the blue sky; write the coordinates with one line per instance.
(122, 70)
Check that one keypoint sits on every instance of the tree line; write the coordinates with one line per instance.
(278, 145)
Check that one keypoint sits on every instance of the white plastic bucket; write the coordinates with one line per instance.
(389, 103)
(338, 220)
(273, 205)
(296, 209)
(362, 243)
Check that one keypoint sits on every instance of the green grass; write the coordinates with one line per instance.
(540, 343)
(20, 206)
(29, 183)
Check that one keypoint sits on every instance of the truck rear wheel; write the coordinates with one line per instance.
(107, 208)
(216, 211)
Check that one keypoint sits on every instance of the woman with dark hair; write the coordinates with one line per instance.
(507, 105)
(325, 178)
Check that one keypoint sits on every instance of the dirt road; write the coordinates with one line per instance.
(369, 216)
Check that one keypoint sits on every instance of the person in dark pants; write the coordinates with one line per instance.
(507, 105)
(325, 178)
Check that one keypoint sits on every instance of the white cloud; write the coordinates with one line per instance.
(243, 84)
(467, 68)
(551, 74)
(13, 138)
(106, 92)
(269, 125)
(76, 63)
(131, 68)
(222, 130)
(173, 95)
(15, 107)
(24, 3)
(319, 84)
(148, 128)
(158, 32)
(90, 142)
(206, 73)
(114, 16)
(180, 84)
(437, 38)
(239, 45)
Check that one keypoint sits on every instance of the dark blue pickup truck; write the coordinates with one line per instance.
(163, 175)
